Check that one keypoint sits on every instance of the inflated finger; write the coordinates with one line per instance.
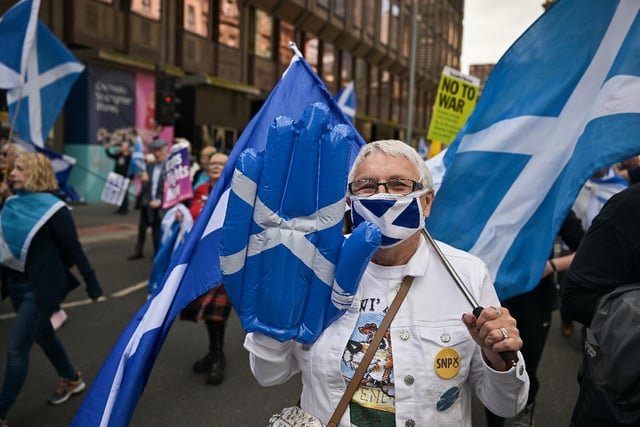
(277, 157)
(301, 194)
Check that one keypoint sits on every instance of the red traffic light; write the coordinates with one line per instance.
(168, 99)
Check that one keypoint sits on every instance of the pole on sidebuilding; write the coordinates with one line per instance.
(412, 69)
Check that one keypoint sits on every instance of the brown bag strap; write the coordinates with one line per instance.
(373, 346)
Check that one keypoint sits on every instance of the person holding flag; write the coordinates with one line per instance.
(312, 301)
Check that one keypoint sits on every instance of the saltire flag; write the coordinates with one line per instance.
(137, 163)
(51, 71)
(346, 99)
(423, 150)
(559, 105)
(62, 166)
(17, 32)
(115, 392)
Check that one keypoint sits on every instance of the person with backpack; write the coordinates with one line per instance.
(606, 264)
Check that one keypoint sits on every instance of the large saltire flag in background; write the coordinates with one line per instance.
(561, 103)
(51, 71)
(114, 394)
(17, 32)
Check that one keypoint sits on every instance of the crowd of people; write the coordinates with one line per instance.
(42, 241)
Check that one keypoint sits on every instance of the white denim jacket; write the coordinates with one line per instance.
(428, 321)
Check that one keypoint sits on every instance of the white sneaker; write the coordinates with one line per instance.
(58, 319)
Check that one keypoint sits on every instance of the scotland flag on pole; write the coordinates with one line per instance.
(114, 395)
(17, 32)
(346, 99)
(137, 158)
(51, 72)
(560, 104)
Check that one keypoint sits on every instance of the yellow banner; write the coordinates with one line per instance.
(455, 100)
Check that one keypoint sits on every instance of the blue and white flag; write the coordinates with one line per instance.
(51, 72)
(137, 163)
(114, 394)
(560, 104)
(423, 150)
(17, 32)
(346, 99)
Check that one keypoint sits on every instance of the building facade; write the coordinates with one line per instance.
(227, 55)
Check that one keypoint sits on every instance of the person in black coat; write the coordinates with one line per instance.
(122, 159)
(38, 246)
(149, 200)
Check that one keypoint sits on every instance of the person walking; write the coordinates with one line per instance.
(38, 247)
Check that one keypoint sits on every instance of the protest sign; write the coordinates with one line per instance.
(455, 100)
(177, 181)
(115, 189)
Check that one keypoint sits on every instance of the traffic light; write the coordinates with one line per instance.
(166, 100)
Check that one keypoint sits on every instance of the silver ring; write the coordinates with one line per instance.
(505, 334)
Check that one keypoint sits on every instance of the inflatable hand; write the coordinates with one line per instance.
(285, 263)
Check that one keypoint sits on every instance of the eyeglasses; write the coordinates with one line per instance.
(217, 164)
(369, 187)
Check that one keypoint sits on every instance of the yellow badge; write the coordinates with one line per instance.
(447, 363)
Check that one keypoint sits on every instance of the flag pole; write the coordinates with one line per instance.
(412, 69)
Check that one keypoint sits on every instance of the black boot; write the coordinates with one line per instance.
(218, 361)
(203, 365)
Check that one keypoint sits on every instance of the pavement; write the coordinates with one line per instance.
(97, 221)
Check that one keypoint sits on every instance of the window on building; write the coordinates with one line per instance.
(394, 25)
(311, 50)
(147, 8)
(385, 95)
(374, 91)
(196, 17)
(329, 67)
(287, 34)
(357, 13)
(263, 34)
(229, 28)
(385, 12)
(338, 8)
(406, 32)
(346, 67)
(396, 106)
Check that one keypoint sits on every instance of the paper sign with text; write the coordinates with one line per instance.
(455, 100)
(115, 189)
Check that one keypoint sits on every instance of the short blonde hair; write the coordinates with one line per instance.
(39, 175)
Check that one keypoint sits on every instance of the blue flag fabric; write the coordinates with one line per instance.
(137, 163)
(114, 394)
(560, 104)
(17, 32)
(346, 99)
(22, 216)
(51, 72)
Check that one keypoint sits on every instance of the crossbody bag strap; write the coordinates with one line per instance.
(373, 346)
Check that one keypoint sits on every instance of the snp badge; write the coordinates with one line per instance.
(447, 363)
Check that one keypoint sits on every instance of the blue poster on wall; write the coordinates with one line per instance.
(112, 107)
(100, 114)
